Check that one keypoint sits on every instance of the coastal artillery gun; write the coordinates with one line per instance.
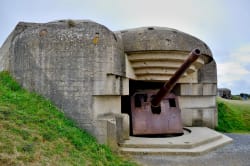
(157, 112)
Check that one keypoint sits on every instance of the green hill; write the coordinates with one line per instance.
(34, 132)
(233, 115)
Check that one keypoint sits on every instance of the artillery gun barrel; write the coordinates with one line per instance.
(169, 85)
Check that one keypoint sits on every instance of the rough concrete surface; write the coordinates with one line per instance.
(235, 154)
(88, 71)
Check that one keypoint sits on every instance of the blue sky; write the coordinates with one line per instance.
(223, 24)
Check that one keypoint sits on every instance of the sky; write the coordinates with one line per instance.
(224, 25)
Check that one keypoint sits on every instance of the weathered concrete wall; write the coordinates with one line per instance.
(155, 53)
(70, 64)
(4, 53)
(161, 38)
(198, 100)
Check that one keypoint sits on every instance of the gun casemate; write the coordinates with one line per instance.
(158, 112)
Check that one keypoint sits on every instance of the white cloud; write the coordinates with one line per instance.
(242, 55)
(231, 71)
(234, 70)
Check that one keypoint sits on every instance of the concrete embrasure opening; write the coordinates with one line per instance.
(147, 121)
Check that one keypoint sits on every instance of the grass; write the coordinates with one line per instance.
(236, 97)
(34, 132)
(233, 116)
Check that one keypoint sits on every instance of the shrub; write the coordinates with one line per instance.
(71, 23)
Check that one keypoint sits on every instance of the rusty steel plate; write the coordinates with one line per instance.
(145, 122)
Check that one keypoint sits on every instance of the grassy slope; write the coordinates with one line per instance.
(34, 132)
(233, 115)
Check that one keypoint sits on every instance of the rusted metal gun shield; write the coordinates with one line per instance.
(144, 122)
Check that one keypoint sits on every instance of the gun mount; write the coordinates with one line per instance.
(157, 112)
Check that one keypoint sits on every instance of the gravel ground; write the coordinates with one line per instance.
(235, 154)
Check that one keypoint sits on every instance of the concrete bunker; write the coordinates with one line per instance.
(155, 110)
(153, 55)
(91, 72)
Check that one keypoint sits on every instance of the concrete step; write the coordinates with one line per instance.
(192, 137)
(191, 144)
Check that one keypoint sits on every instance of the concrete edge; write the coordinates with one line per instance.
(200, 150)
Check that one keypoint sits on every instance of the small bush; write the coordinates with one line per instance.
(235, 97)
(5, 112)
(28, 148)
(48, 136)
(71, 23)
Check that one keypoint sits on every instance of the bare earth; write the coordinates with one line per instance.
(235, 154)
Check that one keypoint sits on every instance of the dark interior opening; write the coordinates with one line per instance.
(135, 86)
(125, 104)
(139, 98)
(172, 103)
(156, 110)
